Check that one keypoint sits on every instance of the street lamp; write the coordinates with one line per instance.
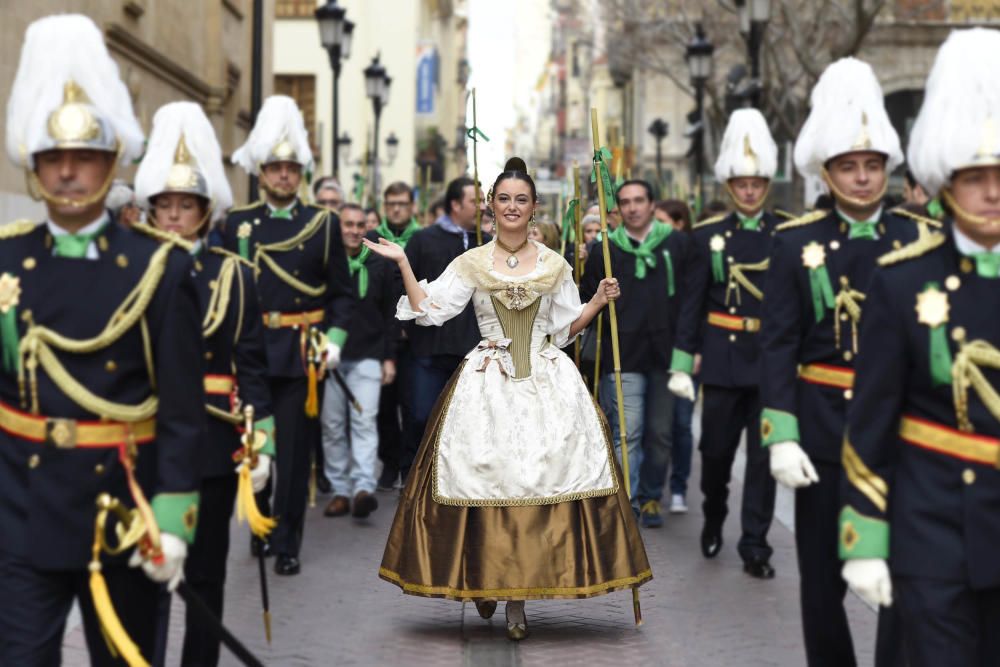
(659, 128)
(754, 15)
(377, 84)
(335, 33)
(699, 60)
(392, 148)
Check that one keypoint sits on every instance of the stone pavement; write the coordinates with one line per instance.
(697, 612)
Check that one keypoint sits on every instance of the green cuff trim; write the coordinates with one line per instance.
(862, 536)
(682, 362)
(778, 426)
(177, 514)
(337, 336)
(266, 426)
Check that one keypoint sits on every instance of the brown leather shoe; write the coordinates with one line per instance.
(364, 504)
(339, 506)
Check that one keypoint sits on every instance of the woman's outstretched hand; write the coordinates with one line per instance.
(387, 249)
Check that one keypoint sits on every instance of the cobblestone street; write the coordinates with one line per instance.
(697, 612)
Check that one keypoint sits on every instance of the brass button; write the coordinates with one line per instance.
(969, 476)
(256, 221)
(298, 300)
(848, 394)
(848, 355)
(732, 310)
(302, 247)
(110, 366)
(99, 469)
(730, 260)
(965, 265)
(29, 263)
(295, 272)
(729, 234)
(102, 243)
(208, 355)
(952, 283)
(897, 244)
(121, 260)
(958, 334)
(834, 245)
(732, 338)
(34, 460)
(843, 317)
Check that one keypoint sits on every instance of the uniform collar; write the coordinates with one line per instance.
(967, 246)
(877, 216)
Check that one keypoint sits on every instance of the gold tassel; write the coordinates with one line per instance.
(247, 510)
(312, 397)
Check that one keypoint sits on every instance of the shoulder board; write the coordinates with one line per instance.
(710, 221)
(923, 245)
(17, 228)
(246, 207)
(804, 220)
(784, 214)
(931, 222)
(231, 255)
(166, 237)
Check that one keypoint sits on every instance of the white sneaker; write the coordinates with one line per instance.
(677, 504)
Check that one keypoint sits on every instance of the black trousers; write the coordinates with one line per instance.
(36, 604)
(946, 623)
(394, 413)
(205, 568)
(726, 412)
(295, 434)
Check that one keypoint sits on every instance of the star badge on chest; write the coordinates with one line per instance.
(10, 292)
(813, 256)
(244, 230)
(932, 307)
(717, 243)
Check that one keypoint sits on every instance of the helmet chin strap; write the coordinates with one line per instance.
(748, 209)
(856, 202)
(962, 214)
(38, 192)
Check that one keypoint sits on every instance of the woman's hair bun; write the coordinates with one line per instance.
(516, 164)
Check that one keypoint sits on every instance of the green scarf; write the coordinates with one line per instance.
(860, 229)
(987, 264)
(357, 265)
(75, 245)
(385, 231)
(750, 224)
(644, 256)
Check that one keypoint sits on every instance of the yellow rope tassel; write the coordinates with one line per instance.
(111, 625)
(312, 397)
(247, 510)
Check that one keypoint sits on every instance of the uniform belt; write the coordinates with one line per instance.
(278, 320)
(734, 322)
(950, 441)
(72, 433)
(828, 376)
(219, 385)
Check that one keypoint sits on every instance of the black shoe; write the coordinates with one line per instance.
(287, 565)
(759, 568)
(711, 540)
(387, 480)
(323, 484)
(258, 545)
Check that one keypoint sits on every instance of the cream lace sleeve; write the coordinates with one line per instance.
(447, 296)
(565, 308)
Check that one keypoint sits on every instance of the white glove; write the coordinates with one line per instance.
(332, 356)
(791, 466)
(260, 474)
(681, 385)
(869, 578)
(171, 570)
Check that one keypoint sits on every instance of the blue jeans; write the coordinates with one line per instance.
(648, 407)
(683, 444)
(350, 458)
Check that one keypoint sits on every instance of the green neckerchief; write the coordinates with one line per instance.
(860, 229)
(987, 264)
(750, 224)
(356, 265)
(385, 231)
(644, 256)
(75, 245)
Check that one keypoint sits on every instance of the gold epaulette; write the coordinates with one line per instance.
(246, 207)
(924, 244)
(232, 255)
(784, 214)
(710, 221)
(17, 228)
(804, 220)
(899, 210)
(160, 235)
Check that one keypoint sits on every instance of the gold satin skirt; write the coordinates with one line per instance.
(576, 549)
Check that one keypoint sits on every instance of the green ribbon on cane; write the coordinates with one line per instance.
(822, 291)
(940, 353)
(359, 187)
(667, 262)
(569, 221)
(600, 166)
(471, 132)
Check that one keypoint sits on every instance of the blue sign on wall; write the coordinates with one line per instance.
(427, 79)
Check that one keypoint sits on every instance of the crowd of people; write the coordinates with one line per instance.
(164, 352)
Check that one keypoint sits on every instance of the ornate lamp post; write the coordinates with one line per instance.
(335, 33)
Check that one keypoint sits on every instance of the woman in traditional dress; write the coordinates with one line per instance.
(515, 493)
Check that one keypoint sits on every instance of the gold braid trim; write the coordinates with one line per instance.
(306, 233)
(16, 228)
(923, 245)
(247, 207)
(965, 372)
(736, 271)
(784, 214)
(220, 414)
(849, 301)
(710, 221)
(806, 219)
(862, 478)
(930, 222)
(218, 302)
(38, 343)
(166, 237)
